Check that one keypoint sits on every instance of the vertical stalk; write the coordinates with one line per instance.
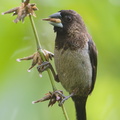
(35, 33)
(64, 112)
(39, 49)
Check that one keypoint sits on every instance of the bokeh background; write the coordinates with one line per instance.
(18, 88)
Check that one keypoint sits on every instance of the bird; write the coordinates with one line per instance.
(75, 56)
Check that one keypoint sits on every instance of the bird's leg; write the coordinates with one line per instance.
(44, 66)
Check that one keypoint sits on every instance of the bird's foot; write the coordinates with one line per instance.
(44, 66)
(63, 97)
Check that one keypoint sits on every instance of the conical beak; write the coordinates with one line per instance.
(55, 20)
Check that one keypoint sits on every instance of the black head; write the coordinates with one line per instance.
(67, 21)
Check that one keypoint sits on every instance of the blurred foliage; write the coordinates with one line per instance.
(18, 88)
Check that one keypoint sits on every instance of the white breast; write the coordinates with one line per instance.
(74, 69)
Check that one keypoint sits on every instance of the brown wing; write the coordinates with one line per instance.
(93, 59)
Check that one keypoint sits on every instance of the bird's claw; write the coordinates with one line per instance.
(63, 100)
(41, 68)
(63, 97)
(44, 66)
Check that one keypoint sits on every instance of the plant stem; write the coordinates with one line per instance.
(35, 33)
(39, 49)
(64, 112)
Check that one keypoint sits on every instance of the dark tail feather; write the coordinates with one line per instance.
(80, 104)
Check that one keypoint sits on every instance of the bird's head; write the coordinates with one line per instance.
(66, 21)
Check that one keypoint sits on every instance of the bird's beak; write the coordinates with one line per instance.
(55, 20)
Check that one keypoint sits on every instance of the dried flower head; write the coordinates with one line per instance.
(22, 11)
(36, 58)
(52, 96)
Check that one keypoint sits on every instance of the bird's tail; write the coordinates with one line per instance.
(80, 104)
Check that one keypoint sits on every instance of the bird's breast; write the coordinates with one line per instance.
(74, 69)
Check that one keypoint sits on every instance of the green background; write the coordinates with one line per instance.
(18, 88)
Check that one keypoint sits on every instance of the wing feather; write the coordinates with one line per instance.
(93, 59)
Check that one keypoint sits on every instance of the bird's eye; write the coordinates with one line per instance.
(68, 18)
